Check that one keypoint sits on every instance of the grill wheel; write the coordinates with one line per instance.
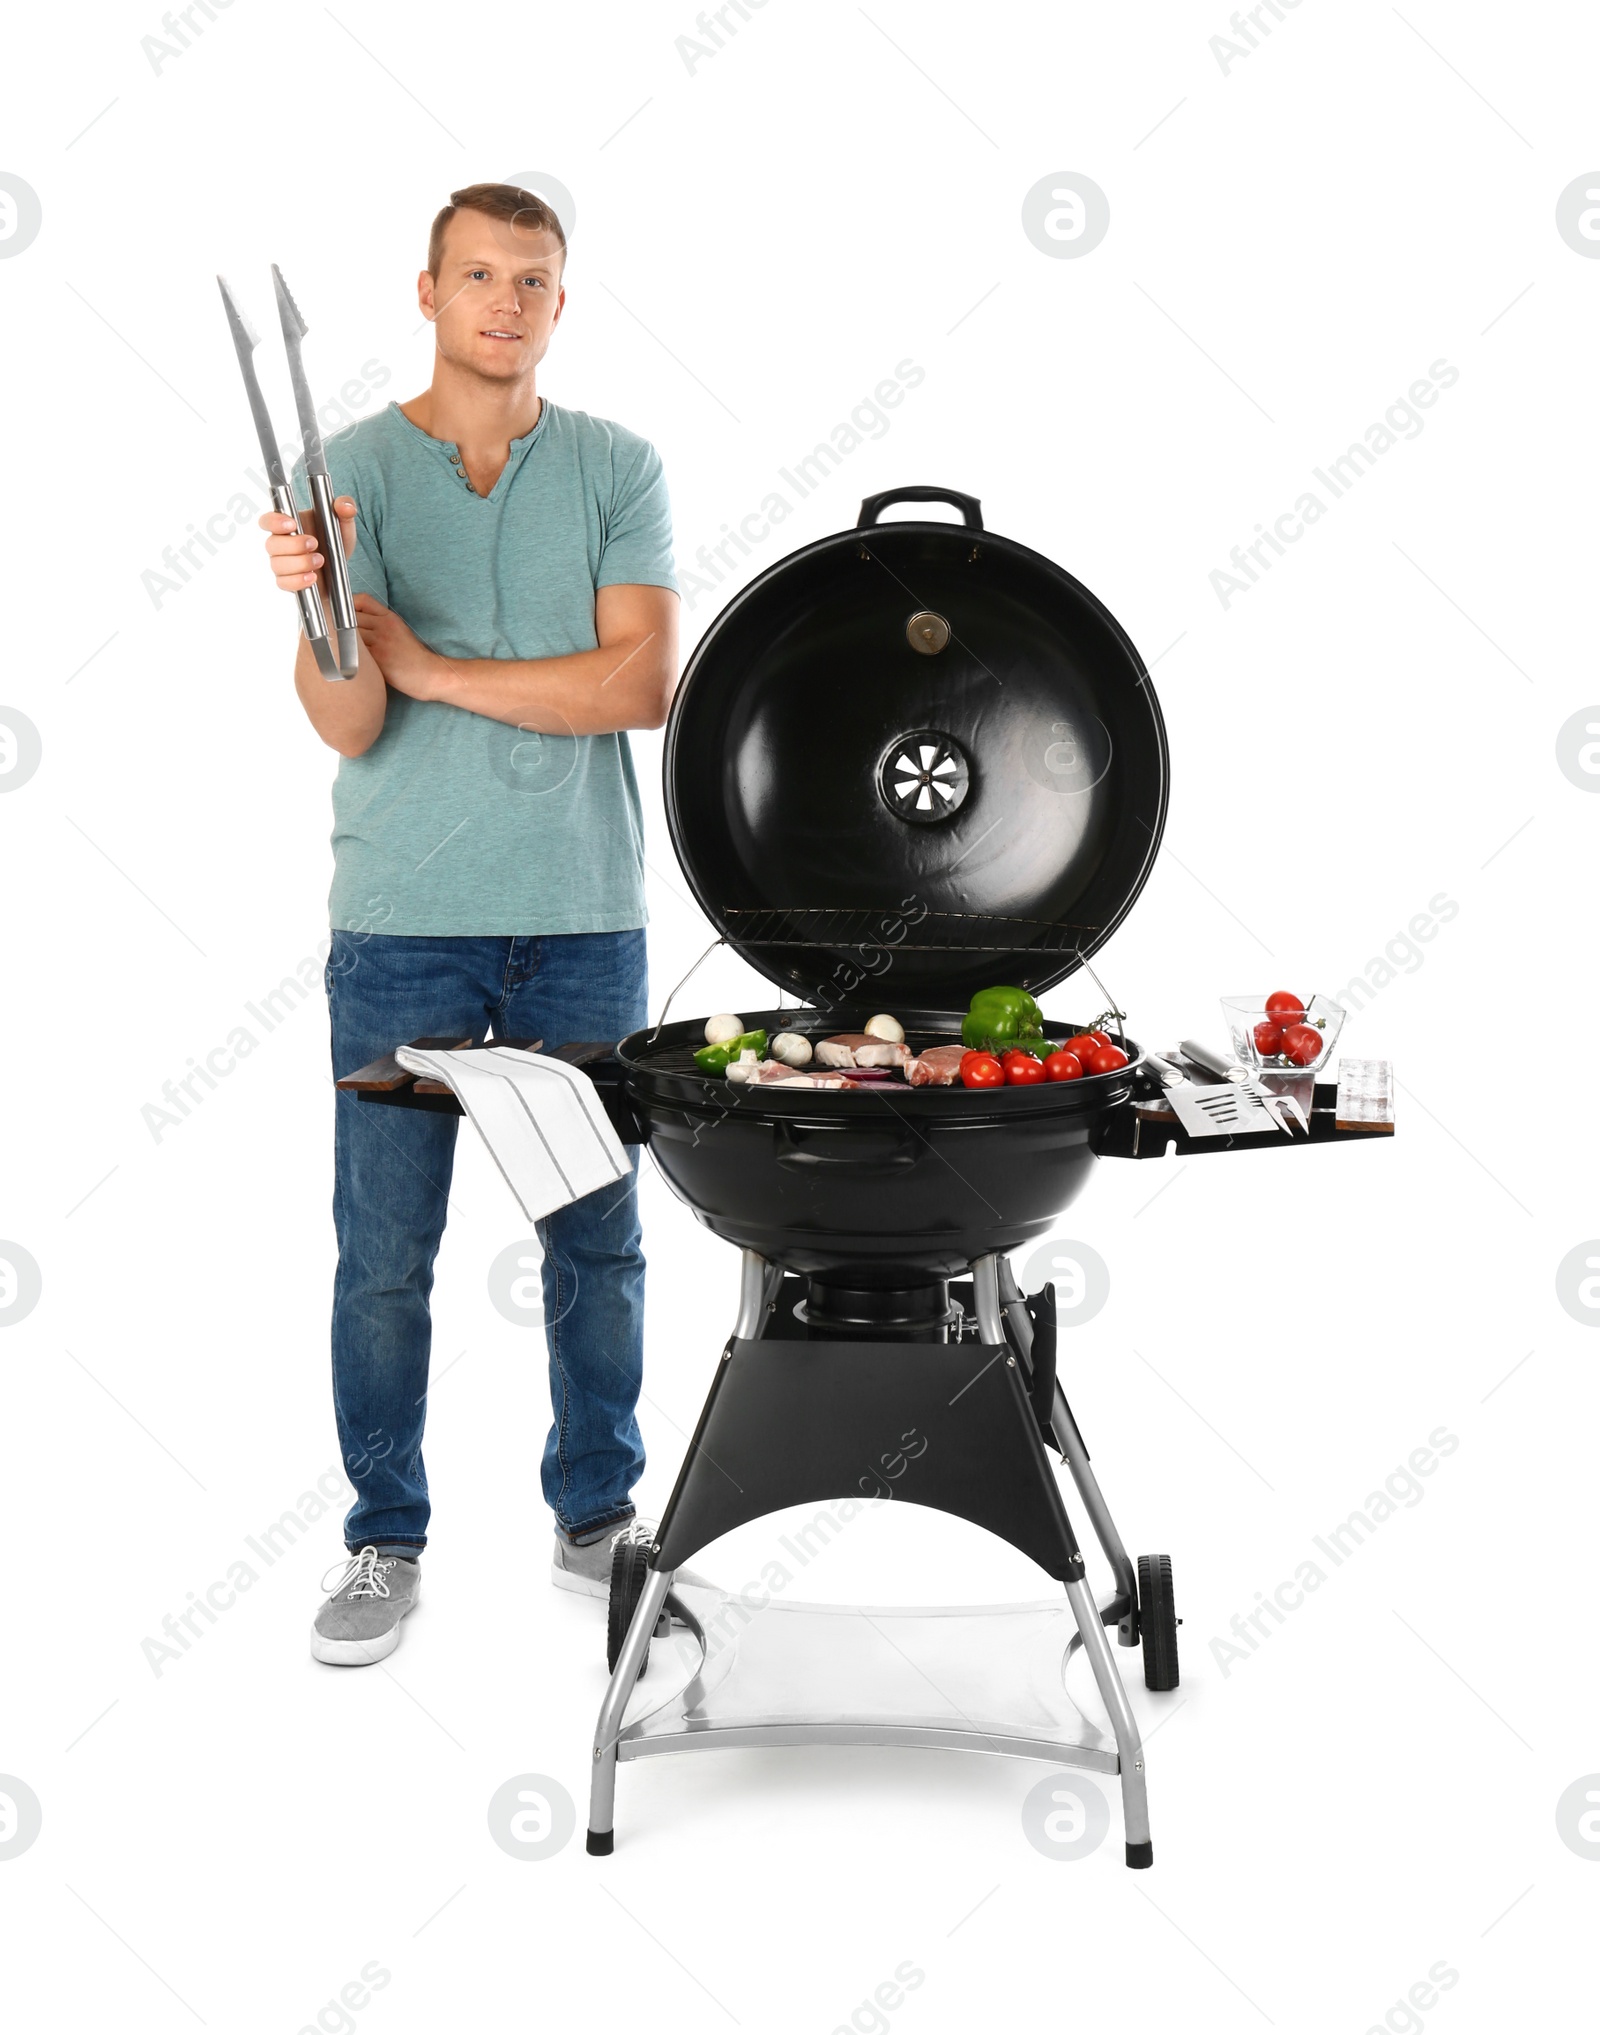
(1158, 1622)
(630, 1564)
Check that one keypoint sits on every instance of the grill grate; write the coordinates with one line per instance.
(912, 928)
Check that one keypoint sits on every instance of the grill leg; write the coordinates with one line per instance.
(757, 1285)
(1083, 1476)
(603, 1780)
(1130, 1753)
(991, 1277)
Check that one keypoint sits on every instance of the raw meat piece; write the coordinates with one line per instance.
(775, 1074)
(936, 1067)
(860, 1049)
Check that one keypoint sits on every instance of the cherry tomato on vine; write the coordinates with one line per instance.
(1268, 1038)
(1107, 1059)
(1023, 1070)
(1284, 1008)
(1063, 1066)
(1081, 1045)
(982, 1070)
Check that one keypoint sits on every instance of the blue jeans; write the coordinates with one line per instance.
(392, 1172)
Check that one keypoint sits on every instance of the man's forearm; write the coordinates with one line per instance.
(346, 712)
(590, 692)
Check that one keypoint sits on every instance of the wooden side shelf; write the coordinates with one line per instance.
(385, 1080)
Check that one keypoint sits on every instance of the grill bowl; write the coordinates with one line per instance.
(909, 1182)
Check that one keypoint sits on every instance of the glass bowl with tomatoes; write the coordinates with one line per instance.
(1281, 1034)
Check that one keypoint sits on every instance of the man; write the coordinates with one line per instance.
(512, 567)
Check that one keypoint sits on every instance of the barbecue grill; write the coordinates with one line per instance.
(907, 762)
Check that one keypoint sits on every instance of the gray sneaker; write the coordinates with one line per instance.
(588, 1569)
(360, 1622)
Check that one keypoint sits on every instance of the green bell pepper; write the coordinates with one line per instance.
(718, 1059)
(1002, 1017)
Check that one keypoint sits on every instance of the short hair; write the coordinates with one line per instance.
(522, 209)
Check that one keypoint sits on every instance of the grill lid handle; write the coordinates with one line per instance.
(874, 505)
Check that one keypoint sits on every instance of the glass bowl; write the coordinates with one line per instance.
(1245, 1013)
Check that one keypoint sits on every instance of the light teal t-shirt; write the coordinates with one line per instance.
(452, 823)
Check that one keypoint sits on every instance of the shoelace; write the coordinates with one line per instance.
(364, 1572)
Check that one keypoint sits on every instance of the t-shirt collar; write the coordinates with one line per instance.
(450, 452)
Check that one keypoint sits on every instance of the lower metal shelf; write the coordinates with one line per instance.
(985, 1678)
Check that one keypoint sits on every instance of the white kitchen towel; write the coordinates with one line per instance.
(543, 1121)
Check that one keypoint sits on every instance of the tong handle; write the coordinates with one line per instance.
(309, 599)
(344, 607)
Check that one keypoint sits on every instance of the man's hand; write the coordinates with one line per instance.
(297, 560)
(405, 661)
(626, 682)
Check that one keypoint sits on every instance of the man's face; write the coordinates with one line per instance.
(497, 297)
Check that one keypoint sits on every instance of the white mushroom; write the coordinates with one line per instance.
(743, 1069)
(791, 1049)
(885, 1027)
(719, 1030)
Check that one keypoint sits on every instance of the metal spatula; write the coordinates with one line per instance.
(1225, 1110)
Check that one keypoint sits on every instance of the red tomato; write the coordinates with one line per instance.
(1101, 1038)
(1301, 1044)
(1268, 1038)
(982, 1070)
(1081, 1045)
(1107, 1059)
(1063, 1066)
(1284, 1008)
(1023, 1070)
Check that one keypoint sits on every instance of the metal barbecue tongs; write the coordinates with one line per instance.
(313, 617)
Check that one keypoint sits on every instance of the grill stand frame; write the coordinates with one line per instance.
(698, 1510)
(1069, 1439)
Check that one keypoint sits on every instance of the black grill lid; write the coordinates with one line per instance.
(920, 752)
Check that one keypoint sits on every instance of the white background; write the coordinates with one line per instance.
(759, 240)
